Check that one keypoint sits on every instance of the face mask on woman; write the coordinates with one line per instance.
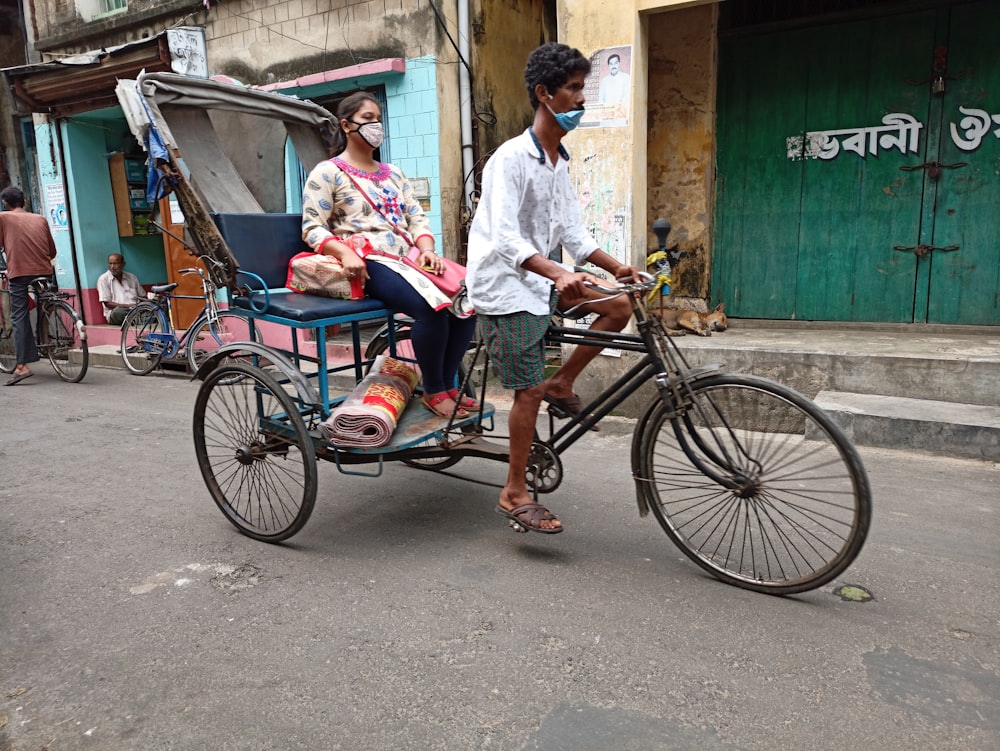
(372, 133)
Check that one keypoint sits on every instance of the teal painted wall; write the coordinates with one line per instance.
(412, 104)
(88, 145)
(50, 180)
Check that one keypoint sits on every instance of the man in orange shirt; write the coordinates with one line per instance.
(30, 251)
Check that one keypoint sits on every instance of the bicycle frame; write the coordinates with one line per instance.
(172, 343)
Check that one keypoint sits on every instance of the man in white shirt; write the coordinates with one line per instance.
(614, 87)
(528, 211)
(118, 290)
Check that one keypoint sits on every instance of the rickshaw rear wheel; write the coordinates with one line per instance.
(254, 452)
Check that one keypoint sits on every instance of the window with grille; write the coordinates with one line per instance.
(109, 6)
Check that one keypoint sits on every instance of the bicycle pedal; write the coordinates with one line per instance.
(516, 526)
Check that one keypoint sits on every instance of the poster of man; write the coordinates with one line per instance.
(608, 88)
(615, 84)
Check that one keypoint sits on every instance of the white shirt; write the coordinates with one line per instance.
(527, 208)
(128, 291)
(614, 89)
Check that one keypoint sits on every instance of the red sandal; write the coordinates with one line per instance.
(433, 401)
(465, 402)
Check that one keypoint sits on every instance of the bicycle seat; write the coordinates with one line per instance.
(42, 283)
(159, 289)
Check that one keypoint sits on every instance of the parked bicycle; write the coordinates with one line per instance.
(149, 336)
(59, 332)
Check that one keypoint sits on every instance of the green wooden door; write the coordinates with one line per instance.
(814, 128)
(963, 286)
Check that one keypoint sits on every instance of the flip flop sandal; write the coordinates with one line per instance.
(567, 406)
(431, 401)
(17, 378)
(528, 517)
(465, 402)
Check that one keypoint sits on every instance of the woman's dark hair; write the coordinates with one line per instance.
(13, 197)
(552, 64)
(348, 106)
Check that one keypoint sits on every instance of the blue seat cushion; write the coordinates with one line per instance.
(304, 308)
(263, 243)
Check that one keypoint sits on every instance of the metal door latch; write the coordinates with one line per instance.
(933, 168)
(922, 251)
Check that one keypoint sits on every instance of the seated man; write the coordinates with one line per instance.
(528, 211)
(118, 290)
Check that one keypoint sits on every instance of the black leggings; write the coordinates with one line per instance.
(439, 339)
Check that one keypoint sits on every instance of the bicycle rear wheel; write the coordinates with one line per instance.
(755, 483)
(141, 352)
(66, 349)
(254, 452)
(8, 355)
(205, 337)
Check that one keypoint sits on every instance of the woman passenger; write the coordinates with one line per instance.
(352, 198)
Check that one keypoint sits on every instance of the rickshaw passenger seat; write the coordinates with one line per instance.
(264, 244)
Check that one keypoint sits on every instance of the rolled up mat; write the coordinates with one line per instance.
(368, 416)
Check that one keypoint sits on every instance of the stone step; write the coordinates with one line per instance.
(961, 368)
(943, 428)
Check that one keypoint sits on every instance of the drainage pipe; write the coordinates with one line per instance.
(465, 101)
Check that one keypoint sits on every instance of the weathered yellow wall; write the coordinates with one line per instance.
(616, 159)
(680, 145)
(503, 35)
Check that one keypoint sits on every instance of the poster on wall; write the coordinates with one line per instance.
(55, 202)
(608, 88)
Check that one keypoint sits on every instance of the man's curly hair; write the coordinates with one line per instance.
(552, 64)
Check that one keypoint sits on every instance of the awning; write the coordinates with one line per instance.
(84, 82)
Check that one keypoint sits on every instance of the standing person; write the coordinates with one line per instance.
(118, 290)
(364, 213)
(527, 211)
(30, 251)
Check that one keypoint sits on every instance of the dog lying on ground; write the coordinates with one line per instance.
(678, 322)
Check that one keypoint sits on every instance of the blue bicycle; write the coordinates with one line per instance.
(149, 336)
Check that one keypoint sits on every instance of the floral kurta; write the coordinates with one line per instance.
(333, 206)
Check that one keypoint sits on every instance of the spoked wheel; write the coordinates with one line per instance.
(206, 338)
(8, 355)
(142, 351)
(755, 483)
(66, 349)
(254, 452)
(404, 349)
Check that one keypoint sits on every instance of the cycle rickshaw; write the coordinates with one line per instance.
(751, 480)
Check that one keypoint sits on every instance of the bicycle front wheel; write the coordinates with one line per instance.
(755, 483)
(141, 351)
(254, 452)
(206, 337)
(66, 349)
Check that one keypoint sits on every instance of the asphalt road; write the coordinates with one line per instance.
(406, 615)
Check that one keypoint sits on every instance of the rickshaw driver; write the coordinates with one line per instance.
(527, 211)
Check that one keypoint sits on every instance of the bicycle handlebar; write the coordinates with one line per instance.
(626, 287)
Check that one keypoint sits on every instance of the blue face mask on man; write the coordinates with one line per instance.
(567, 120)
